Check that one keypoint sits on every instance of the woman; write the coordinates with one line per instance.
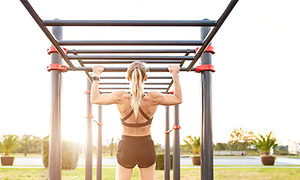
(136, 110)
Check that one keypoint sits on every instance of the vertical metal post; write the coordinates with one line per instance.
(206, 138)
(176, 146)
(89, 142)
(55, 144)
(99, 154)
(167, 145)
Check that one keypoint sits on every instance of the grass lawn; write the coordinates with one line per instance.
(186, 174)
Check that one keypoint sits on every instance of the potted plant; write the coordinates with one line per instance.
(8, 143)
(265, 144)
(193, 143)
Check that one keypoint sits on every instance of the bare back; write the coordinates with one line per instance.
(124, 107)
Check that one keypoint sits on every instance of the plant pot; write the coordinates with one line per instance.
(196, 160)
(7, 161)
(268, 160)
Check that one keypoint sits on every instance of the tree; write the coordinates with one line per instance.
(112, 146)
(29, 144)
(240, 139)
(193, 143)
(8, 144)
(220, 147)
(265, 143)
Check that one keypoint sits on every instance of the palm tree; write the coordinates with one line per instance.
(193, 143)
(8, 143)
(265, 144)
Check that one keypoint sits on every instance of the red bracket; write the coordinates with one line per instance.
(171, 92)
(52, 50)
(59, 67)
(87, 92)
(176, 127)
(205, 67)
(208, 49)
(89, 116)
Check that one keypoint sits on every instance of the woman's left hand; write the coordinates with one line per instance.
(97, 70)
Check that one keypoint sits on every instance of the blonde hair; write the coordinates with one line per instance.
(136, 72)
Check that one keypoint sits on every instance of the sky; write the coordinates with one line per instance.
(255, 86)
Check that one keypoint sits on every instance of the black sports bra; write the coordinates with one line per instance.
(149, 120)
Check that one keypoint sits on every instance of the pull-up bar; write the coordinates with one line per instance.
(129, 62)
(124, 69)
(127, 88)
(123, 77)
(109, 83)
(128, 43)
(114, 51)
(131, 57)
(126, 23)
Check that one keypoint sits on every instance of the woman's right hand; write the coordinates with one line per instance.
(97, 70)
(174, 69)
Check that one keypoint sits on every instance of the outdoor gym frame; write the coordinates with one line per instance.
(68, 55)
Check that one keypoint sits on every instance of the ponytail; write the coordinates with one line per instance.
(137, 90)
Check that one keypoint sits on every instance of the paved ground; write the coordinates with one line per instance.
(229, 161)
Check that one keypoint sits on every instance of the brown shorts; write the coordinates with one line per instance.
(135, 150)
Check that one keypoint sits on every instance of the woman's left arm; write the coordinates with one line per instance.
(105, 99)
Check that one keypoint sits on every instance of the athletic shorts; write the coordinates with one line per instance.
(135, 150)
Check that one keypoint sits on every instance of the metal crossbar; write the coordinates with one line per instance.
(126, 23)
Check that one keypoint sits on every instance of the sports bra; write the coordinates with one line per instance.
(149, 120)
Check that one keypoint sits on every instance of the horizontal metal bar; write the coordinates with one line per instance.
(124, 69)
(114, 51)
(130, 43)
(108, 92)
(131, 57)
(128, 23)
(123, 77)
(53, 40)
(118, 88)
(213, 32)
(129, 62)
(109, 83)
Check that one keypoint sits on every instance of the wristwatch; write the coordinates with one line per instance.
(95, 78)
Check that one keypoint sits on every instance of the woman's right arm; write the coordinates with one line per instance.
(167, 99)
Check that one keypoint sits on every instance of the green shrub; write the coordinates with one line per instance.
(70, 154)
(160, 162)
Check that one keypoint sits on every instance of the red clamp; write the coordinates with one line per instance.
(87, 92)
(89, 116)
(59, 67)
(208, 49)
(52, 50)
(171, 92)
(205, 67)
(176, 127)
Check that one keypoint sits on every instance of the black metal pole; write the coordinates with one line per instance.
(89, 134)
(55, 143)
(207, 39)
(39, 22)
(127, 23)
(116, 51)
(176, 145)
(167, 145)
(130, 43)
(130, 57)
(123, 77)
(99, 149)
(124, 69)
(206, 138)
(129, 61)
